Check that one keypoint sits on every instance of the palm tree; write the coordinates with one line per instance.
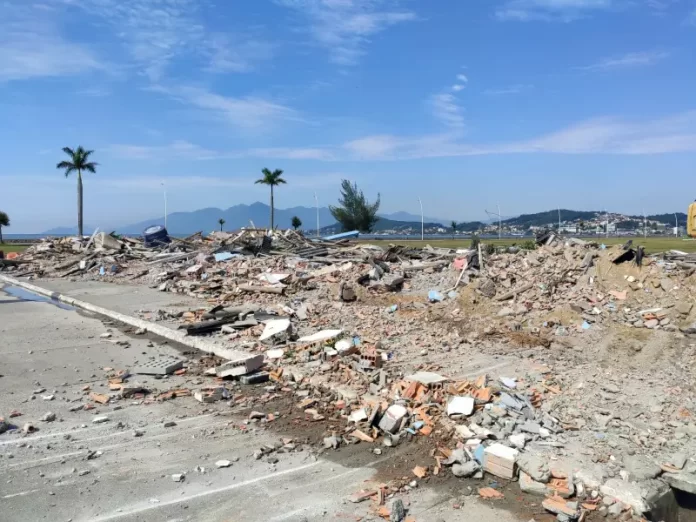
(296, 222)
(222, 222)
(271, 179)
(4, 222)
(79, 161)
(454, 228)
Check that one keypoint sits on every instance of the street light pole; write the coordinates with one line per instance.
(422, 220)
(316, 202)
(559, 220)
(165, 204)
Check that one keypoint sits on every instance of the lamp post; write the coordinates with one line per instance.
(422, 220)
(316, 203)
(164, 189)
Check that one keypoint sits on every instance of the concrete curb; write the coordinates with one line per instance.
(162, 331)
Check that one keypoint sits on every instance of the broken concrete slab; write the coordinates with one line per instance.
(274, 327)
(323, 335)
(426, 378)
(682, 481)
(643, 497)
(460, 406)
(240, 366)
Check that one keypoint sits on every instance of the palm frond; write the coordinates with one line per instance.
(90, 167)
(68, 151)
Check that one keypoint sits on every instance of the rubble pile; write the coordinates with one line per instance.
(371, 342)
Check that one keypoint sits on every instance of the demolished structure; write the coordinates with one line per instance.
(375, 346)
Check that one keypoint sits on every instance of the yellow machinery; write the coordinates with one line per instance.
(691, 220)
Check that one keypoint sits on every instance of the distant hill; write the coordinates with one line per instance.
(667, 219)
(236, 217)
(551, 216)
(406, 216)
(239, 216)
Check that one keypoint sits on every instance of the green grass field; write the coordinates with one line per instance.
(7, 248)
(652, 244)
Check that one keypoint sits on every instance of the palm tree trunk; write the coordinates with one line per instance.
(79, 204)
(272, 209)
(1, 241)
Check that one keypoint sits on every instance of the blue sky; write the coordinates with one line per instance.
(534, 104)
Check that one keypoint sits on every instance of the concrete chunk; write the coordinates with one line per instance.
(460, 406)
(391, 420)
(681, 481)
(531, 486)
(640, 468)
(534, 466)
(239, 367)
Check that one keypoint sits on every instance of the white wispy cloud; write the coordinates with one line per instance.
(197, 181)
(550, 10)
(236, 53)
(458, 87)
(628, 60)
(691, 19)
(249, 113)
(595, 136)
(446, 109)
(153, 32)
(511, 89)
(184, 150)
(462, 78)
(31, 46)
(344, 27)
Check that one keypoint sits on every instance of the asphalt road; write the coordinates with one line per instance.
(48, 475)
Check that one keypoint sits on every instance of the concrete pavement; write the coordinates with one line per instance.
(47, 475)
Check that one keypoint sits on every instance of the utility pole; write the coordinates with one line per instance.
(422, 220)
(165, 204)
(500, 223)
(316, 202)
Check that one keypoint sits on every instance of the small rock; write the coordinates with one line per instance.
(398, 512)
(169, 424)
(223, 464)
(466, 470)
(100, 420)
(178, 477)
(49, 417)
(332, 442)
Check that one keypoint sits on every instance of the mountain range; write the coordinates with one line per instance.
(239, 216)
